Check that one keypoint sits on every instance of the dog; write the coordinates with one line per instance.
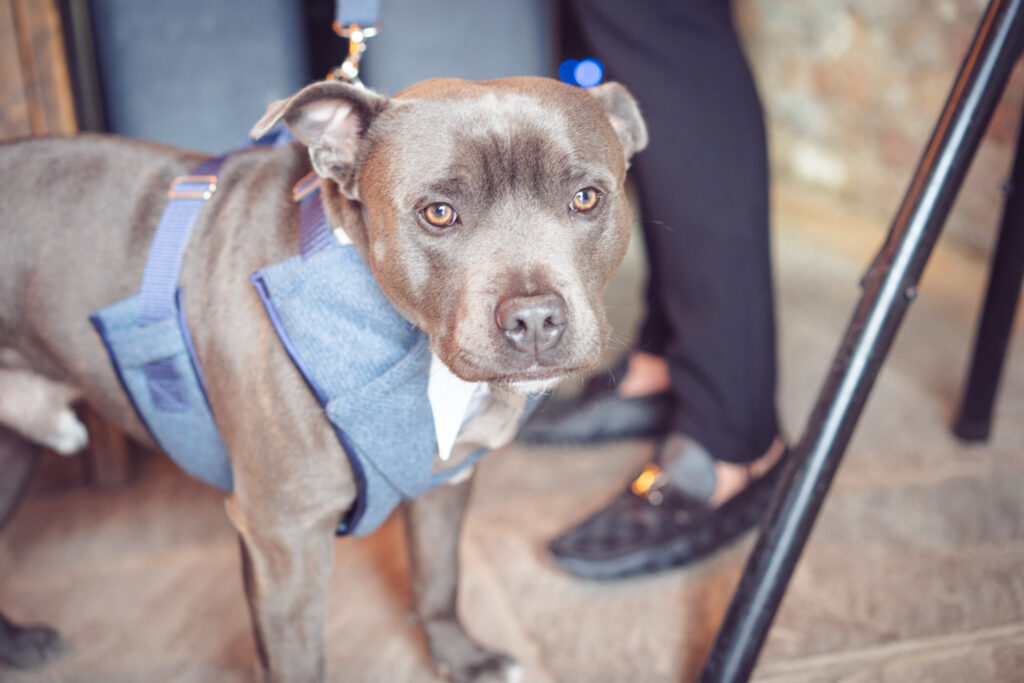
(492, 216)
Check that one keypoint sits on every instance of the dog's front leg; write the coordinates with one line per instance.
(286, 562)
(433, 524)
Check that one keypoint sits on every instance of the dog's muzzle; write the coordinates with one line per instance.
(532, 324)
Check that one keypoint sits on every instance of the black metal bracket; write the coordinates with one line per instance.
(888, 290)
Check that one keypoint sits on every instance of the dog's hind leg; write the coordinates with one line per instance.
(20, 646)
(433, 525)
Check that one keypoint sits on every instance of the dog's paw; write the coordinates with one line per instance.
(494, 667)
(460, 660)
(28, 646)
(68, 435)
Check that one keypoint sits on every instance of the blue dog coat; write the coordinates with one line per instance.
(367, 366)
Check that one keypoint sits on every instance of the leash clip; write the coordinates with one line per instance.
(357, 36)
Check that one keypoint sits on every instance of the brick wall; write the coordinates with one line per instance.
(35, 89)
(852, 89)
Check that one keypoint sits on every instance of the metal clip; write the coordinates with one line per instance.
(349, 69)
(648, 482)
(305, 187)
(191, 191)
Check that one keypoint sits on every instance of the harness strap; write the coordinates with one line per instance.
(314, 233)
(163, 265)
(188, 194)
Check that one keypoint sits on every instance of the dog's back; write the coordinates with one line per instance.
(88, 175)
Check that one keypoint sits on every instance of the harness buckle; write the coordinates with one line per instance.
(194, 187)
(305, 187)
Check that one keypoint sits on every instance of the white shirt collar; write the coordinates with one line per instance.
(453, 401)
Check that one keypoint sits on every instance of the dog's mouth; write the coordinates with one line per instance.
(543, 379)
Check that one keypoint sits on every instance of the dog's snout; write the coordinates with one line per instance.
(532, 323)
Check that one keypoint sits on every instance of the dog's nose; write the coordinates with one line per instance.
(532, 323)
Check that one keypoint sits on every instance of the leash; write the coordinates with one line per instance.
(357, 21)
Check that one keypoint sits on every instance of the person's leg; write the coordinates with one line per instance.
(703, 184)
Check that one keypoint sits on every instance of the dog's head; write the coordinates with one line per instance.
(493, 213)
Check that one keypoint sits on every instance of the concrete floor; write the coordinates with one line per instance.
(913, 573)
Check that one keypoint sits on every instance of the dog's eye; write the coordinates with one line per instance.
(440, 215)
(586, 199)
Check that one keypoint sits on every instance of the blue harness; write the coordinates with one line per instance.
(373, 387)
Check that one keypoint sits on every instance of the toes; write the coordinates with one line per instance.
(458, 658)
(514, 673)
(68, 435)
(492, 668)
(496, 669)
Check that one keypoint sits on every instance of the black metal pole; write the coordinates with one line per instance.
(974, 419)
(888, 291)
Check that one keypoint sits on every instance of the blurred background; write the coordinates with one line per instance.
(851, 87)
(913, 572)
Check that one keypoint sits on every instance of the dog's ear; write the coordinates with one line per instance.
(331, 119)
(624, 116)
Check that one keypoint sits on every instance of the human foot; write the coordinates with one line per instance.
(604, 412)
(731, 478)
(654, 525)
(646, 374)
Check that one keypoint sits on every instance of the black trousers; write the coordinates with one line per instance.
(703, 185)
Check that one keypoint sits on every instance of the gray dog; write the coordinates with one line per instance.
(492, 216)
